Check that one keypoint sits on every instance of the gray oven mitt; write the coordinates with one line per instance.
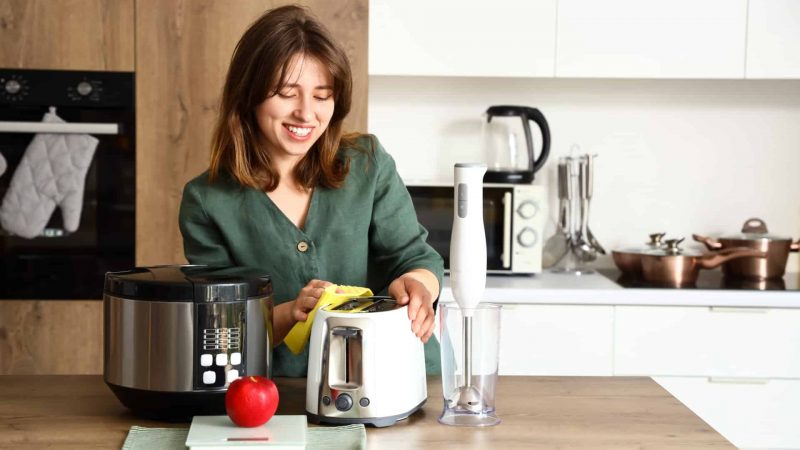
(52, 172)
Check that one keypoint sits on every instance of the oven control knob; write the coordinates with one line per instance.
(84, 88)
(527, 209)
(12, 86)
(527, 237)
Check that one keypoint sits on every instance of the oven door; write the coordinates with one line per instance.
(57, 264)
(434, 206)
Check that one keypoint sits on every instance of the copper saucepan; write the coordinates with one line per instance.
(673, 266)
(629, 260)
(754, 235)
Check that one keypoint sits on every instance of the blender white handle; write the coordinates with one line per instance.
(468, 239)
(507, 230)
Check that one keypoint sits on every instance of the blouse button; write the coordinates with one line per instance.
(302, 246)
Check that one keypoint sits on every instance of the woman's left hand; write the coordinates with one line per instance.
(406, 289)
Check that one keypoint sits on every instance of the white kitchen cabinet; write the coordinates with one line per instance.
(556, 340)
(749, 413)
(514, 38)
(651, 38)
(773, 39)
(702, 341)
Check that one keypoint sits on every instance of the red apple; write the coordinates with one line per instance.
(251, 401)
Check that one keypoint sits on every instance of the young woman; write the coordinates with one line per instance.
(288, 193)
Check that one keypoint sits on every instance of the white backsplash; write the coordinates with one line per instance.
(679, 156)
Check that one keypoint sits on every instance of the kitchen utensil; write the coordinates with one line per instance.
(589, 189)
(508, 143)
(674, 266)
(466, 403)
(581, 246)
(557, 245)
(572, 263)
(365, 365)
(754, 235)
(629, 261)
(176, 336)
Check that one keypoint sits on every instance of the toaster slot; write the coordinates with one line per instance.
(344, 370)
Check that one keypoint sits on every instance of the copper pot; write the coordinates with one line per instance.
(754, 235)
(673, 266)
(629, 260)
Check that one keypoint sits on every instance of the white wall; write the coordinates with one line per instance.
(679, 156)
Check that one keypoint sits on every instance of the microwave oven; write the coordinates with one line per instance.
(514, 217)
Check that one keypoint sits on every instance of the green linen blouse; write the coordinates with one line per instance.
(364, 233)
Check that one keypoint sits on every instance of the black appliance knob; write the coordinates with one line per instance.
(84, 88)
(344, 402)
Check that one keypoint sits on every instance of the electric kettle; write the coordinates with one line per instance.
(508, 142)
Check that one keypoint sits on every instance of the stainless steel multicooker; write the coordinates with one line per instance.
(176, 336)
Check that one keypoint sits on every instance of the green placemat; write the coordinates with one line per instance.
(345, 437)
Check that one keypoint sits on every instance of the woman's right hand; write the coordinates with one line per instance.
(307, 298)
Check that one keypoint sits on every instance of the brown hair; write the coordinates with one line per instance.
(263, 54)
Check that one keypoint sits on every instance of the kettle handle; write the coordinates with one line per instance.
(533, 114)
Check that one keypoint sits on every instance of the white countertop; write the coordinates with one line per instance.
(595, 289)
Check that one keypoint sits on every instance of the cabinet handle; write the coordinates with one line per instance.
(733, 309)
(735, 380)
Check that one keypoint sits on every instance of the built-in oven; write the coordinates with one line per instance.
(68, 188)
(514, 217)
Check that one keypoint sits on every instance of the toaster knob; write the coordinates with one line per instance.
(344, 402)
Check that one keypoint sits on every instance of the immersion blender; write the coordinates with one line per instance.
(468, 268)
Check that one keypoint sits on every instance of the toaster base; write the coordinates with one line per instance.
(378, 422)
(170, 406)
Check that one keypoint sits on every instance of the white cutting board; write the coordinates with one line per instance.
(219, 432)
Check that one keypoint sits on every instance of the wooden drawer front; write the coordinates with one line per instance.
(556, 340)
(696, 341)
(749, 413)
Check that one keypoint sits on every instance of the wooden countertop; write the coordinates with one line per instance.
(80, 412)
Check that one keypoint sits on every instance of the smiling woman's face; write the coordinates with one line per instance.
(292, 120)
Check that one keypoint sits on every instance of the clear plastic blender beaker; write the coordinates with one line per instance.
(480, 347)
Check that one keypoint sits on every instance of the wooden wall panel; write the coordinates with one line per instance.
(67, 34)
(51, 337)
(183, 49)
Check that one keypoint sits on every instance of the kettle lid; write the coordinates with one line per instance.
(188, 283)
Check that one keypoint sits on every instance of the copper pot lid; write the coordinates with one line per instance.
(672, 247)
(656, 242)
(755, 229)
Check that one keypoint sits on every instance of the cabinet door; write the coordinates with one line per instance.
(67, 35)
(749, 413)
(696, 341)
(457, 38)
(556, 340)
(651, 39)
(773, 39)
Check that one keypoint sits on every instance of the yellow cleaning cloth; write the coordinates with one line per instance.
(298, 335)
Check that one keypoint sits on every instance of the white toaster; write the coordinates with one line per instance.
(365, 365)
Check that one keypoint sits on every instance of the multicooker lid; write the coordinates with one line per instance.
(189, 283)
